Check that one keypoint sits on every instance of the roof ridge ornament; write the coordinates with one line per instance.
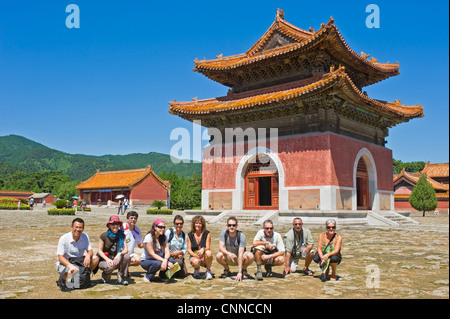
(331, 21)
(280, 14)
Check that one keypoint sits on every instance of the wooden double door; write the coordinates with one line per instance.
(362, 186)
(261, 191)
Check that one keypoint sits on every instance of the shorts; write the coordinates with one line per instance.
(60, 267)
(234, 262)
(335, 259)
(265, 252)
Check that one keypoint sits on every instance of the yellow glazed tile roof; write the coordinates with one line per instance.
(436, 170)
(120, 179)
(414, 178)
(328, 33)
(317, 83)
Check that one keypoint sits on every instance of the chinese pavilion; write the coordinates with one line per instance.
(141, 186)
(437, 175)
(330, 153)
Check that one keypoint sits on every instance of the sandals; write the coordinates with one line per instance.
(226, 273)
(308, 272)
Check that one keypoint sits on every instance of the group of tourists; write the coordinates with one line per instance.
(164, 250)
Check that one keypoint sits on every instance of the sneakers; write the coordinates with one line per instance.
(121, 281)
(208, 275)
(105, 278)
(145, 279)
(197, 275)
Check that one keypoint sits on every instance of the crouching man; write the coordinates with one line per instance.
(75, 244)
(268, 248)
(232, 245)
(299, 245)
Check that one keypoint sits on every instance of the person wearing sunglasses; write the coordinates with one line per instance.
(268, 248)
(232, 245)
(328, 253)
(176, 238)
(199, 247)
(299, 245)
(113, 251)
(156, 255)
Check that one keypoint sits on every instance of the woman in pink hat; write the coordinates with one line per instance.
(113, 252)
(156, 255)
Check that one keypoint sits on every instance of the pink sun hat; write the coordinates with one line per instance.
(114, 219)
(158, 221)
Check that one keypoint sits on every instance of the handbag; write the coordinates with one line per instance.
(316, 256)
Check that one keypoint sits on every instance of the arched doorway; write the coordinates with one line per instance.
(261, 189)
(362, 186)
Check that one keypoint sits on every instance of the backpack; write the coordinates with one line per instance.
(79, 280)
(172, 233)
(238, 237)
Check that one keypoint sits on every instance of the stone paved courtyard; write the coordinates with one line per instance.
(413, 262)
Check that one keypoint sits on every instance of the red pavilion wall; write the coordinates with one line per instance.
(311, 160)
(148, 191)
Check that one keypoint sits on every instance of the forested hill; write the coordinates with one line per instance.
(24, 154)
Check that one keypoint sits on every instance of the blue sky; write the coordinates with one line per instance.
(104, 88)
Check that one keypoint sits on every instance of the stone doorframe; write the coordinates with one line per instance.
(238, 192)
(372, 172)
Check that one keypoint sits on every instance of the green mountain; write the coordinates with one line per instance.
(22, 153)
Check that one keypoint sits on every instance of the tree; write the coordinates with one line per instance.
(66, 190)
(185, 192)
(158, 203)
(423, 196)
(408, 166)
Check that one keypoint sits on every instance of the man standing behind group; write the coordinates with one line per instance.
(176, 239)
(75, 244)
(133, 238)
(268, 248)
(232, 245)
(299, 245)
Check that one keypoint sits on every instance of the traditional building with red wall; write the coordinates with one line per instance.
(16, 194)
(40, 197)
(329, 151)
(437, 176)
(140, 186)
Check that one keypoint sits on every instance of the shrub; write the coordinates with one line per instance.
(158, 204)
(160, 211)
(14, 207)
(86, 209)
(8, 203)
(55, 211)
(8, 200)
(60, 203)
